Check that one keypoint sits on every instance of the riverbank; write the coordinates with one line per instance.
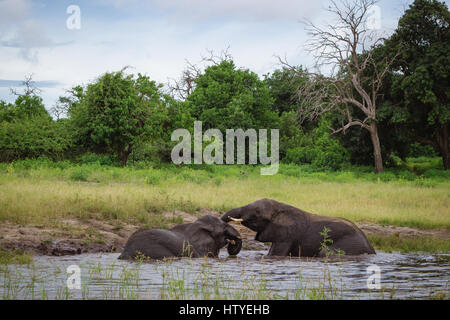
(76, 236)
(61, 208)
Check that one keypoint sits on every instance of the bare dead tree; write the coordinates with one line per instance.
(216, 59)
(182, 87)
(345, 46)
(61, 107)
(30, 88)
(64, 103)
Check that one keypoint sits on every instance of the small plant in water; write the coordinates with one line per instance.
(326, 242)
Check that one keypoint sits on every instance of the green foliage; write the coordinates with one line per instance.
(15, 257)
(283, 85)
(24, 107)
(116, 112)
(409, 244)
(319, 149)
(420, 150)
(421, 164)
(421, 86)
(436, 174)
(100, 159)
(28, 131)
(226, 97)
(169, 116)
(80, 173)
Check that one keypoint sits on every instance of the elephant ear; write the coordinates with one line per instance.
(279, 227)
(207, 228)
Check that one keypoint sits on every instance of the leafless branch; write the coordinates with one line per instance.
(182, 87)
(348, 46)
(30, 88)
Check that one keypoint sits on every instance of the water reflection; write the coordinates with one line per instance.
(250, 275)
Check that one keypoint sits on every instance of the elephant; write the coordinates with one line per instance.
(294, 232)
(203, 237)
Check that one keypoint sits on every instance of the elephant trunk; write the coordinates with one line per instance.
(234, 241)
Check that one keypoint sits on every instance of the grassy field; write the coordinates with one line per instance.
(42, 192)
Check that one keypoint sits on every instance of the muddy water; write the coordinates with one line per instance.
(250, 275)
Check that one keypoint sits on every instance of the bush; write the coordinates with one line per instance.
(406, 175)
(386, 176)
(422, 164)
(299, 155)
(153, 179)
(80, 174)
(437, 174)
(419, 150)
(322, 152)
(100, 159)
(41, 162)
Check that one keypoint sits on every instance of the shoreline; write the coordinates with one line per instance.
(75, 236)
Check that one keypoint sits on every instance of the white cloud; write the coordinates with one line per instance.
(154, 37)
(19, 30)
(28, 37)
(12, 11)
(259, 10)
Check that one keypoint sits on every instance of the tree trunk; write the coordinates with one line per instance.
(376, 147)
(124, 154)
(442, 139)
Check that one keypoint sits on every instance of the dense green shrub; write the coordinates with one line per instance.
(80, 173)
(28, 131)
(100, 159)
(420, 150)
(321, 150)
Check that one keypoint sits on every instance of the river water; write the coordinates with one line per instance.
(251, 275)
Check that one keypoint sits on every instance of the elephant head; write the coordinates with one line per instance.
(268, 218)
(218, 235)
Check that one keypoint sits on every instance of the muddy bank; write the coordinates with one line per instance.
(76, 236)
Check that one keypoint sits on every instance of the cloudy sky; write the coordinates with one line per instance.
(154, 37)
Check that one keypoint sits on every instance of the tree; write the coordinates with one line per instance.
(167, 117)
(423, 68)
(282, 85)
(27, 130)
(114, 113)
(226, 97)
(395, 137)
(182, 87)
(346, 45)
(29, 90)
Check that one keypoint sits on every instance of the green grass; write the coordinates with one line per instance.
(36, 191)
(15, 257)
(409, 244)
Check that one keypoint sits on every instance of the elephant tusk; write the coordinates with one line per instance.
(236, 220)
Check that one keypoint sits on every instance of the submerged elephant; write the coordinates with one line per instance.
(294, 232)
(204, 237)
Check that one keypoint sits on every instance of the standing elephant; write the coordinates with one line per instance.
(294, 232)
(204, 237)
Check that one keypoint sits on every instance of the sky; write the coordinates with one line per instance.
(46, 39)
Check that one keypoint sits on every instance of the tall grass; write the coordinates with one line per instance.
(44, 193)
